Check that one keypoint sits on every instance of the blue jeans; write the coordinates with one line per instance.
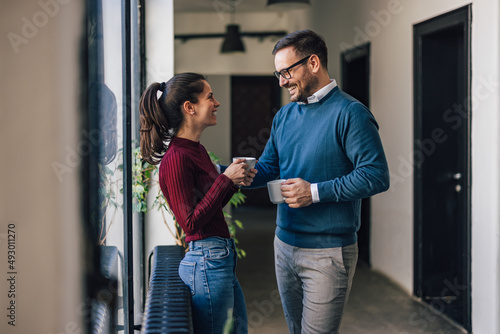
(208, 268)
(314, 285)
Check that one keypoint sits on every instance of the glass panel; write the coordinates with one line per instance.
(110, 123)
(109, 82)
(106, 182)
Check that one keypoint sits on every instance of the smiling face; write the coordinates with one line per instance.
(302, 83)
(205, 110)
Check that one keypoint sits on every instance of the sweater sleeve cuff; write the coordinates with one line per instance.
(228, 181)
(314, 192)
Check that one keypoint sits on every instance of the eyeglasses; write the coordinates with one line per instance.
(285, 73)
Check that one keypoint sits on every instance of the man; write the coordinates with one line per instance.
(327, 147)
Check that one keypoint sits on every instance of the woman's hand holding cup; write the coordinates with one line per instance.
(241, 171)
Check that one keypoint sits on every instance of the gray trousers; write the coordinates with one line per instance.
(314, 285)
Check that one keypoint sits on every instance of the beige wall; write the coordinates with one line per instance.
(40, 92)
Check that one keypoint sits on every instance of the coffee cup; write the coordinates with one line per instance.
(274, 189)
(250, 161)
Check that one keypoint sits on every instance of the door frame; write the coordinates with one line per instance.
(360, 51)
(460, 16)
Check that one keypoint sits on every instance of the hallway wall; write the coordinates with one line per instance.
(41, 143)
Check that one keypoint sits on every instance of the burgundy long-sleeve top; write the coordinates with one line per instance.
(194, 190)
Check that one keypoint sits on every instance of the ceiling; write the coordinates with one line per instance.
(205, 6)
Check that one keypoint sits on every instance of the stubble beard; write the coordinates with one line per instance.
(311, 82)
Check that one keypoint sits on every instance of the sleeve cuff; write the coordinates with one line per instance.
(314, 192)
(218, 168)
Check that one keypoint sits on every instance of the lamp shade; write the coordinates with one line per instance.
(232, 41)
(288, 4)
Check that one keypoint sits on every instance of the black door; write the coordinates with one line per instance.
(254, 102)
(442, 163)
(356, 82)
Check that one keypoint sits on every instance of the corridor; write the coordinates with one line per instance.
(376, 305)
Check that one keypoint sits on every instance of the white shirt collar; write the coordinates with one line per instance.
(316, 97)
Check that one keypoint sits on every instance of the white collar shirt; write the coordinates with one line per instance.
(316, 97)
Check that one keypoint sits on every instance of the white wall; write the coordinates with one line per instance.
(485, 168)
(40, 95)
(160, 68)
(346, 23)
(159, 40)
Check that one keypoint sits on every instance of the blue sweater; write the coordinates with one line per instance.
(334, 143)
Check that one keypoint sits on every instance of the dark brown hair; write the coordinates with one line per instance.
(305, 43)
(161, 117)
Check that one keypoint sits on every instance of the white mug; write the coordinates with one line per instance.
(274, 189)
(248, 160)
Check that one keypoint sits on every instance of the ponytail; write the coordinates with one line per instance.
(160, 118)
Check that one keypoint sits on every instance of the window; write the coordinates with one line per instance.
(115, 284)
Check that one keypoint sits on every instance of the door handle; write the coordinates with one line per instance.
(457, 177)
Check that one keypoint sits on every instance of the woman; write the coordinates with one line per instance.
(196, 193)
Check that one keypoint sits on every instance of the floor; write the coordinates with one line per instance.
(375, 306)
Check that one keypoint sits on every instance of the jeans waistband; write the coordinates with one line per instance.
(211, 242)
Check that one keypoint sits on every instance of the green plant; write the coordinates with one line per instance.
(229, 325)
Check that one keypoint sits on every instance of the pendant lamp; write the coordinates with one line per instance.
(232, 41)
(232, 37)
(288, 4)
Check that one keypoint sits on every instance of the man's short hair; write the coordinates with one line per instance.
(305, 43)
